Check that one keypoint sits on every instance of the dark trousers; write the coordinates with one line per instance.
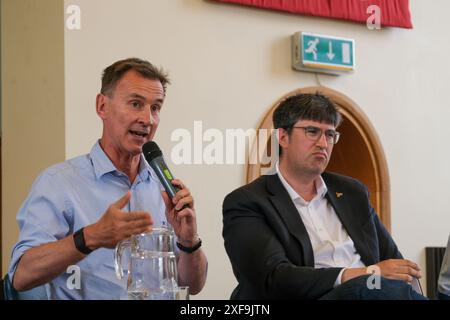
(358, 289)
(443, 296)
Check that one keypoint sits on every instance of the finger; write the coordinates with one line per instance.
(138, 215)
(139, 225)
(181, 194)
(412, 265)
(178, 183)
(186, 201)
(134, 227)
(123, 201)
(413, 272)
(405, 262)
(185, 213)
(404, 277)
(143, 229)
(400, 276)
(408, 270)
(401, 263)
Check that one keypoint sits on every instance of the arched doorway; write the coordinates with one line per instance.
(358, 154)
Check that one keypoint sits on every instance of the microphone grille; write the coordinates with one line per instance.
(151, 151)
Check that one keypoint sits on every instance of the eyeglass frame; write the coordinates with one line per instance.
(330, 140)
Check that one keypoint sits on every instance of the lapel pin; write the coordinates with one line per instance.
(339, 194)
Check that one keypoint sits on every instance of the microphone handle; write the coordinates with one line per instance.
(164, 175)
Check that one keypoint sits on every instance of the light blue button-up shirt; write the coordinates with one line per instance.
(74, 194)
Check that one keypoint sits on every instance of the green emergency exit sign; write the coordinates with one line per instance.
(321, 53)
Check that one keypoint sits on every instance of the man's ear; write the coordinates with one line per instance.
(283, 137)
(101, 106)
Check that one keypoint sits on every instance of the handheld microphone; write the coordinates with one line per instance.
(154, 157)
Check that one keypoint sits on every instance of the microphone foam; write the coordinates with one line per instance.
(151, 151)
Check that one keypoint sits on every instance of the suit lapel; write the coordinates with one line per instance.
(340, 201)
(288, 212)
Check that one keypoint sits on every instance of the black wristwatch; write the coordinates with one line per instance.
(80, 244)
(190, 249)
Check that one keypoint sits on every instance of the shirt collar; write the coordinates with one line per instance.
(103, 165)
(321, 187)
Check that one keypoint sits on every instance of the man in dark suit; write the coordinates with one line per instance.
(444, 275)
(303, 233)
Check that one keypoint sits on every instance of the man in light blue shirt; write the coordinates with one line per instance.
(77, 211)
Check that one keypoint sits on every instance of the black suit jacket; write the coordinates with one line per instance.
(269, 247)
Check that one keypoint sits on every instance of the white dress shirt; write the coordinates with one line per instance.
(331, 244)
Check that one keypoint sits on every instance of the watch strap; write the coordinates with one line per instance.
(80, 244)
(190, 249)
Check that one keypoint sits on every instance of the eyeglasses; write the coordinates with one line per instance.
(314, 134)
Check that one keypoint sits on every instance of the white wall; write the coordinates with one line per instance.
(228, 64)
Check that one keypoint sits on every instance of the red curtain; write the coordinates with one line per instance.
(394, 13)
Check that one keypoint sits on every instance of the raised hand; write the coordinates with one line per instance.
(180, 214)
(116, 225)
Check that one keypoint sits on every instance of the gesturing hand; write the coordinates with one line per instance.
(116, 225)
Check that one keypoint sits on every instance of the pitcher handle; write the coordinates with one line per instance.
(118, 252)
